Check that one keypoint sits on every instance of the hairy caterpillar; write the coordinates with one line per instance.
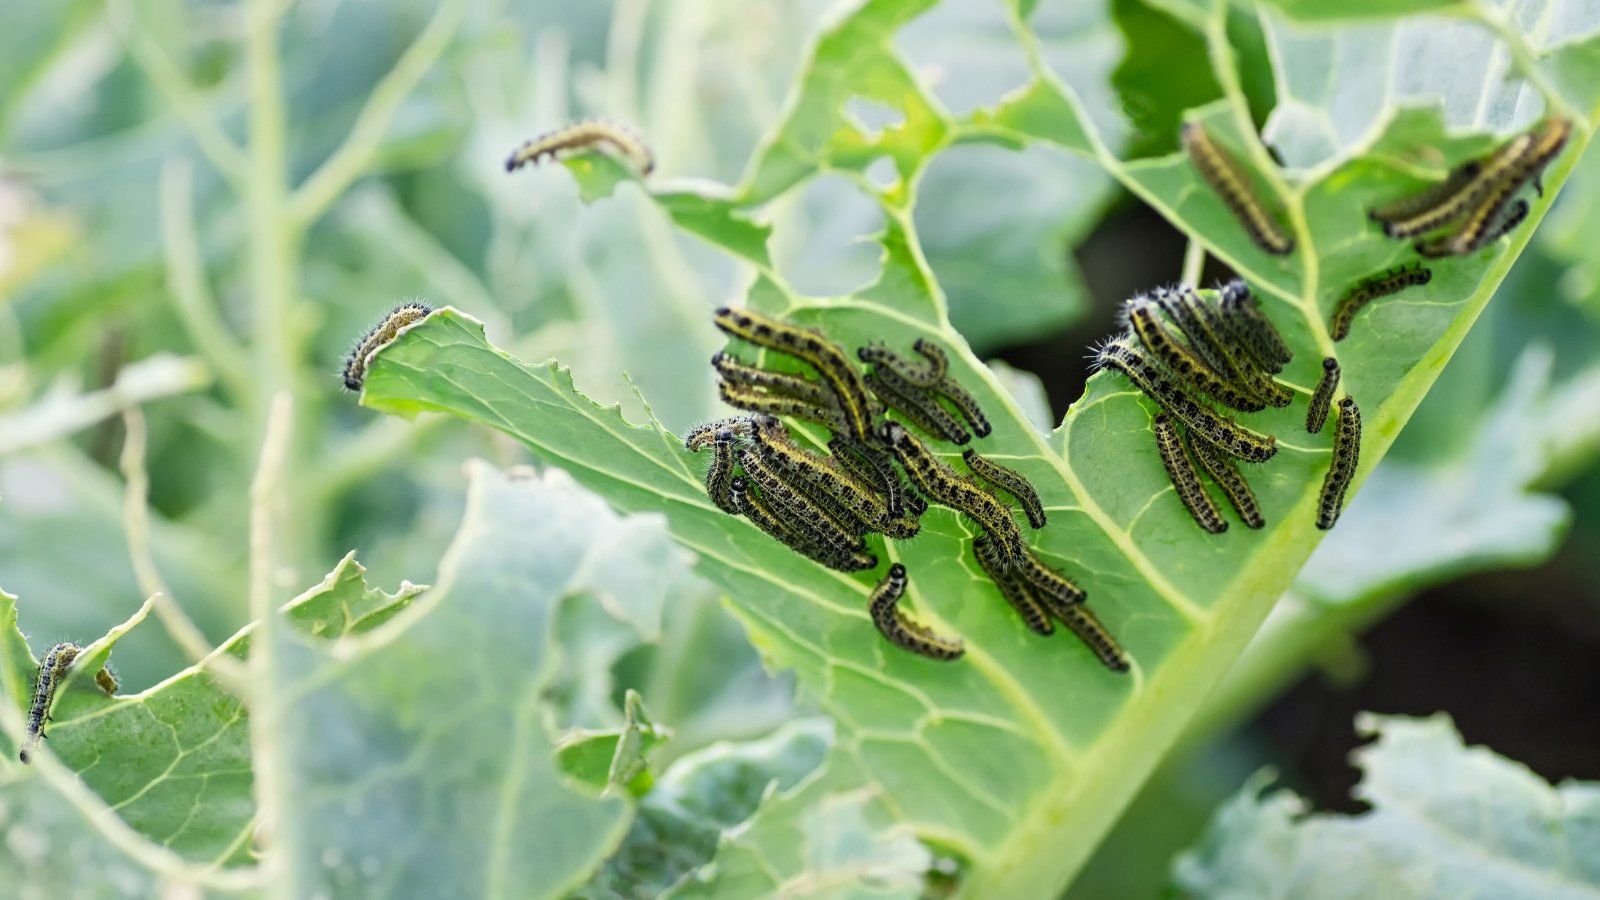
(875, 467)
(379, 335)
(1086, 625)
(1013, 587)
(798, 512)
(1408, 207)
(901, 631)
(107, 680)
(1220, 170)
(702, 436)
(943, 485)
(1251, 328)
(1185, 480)
(848, 498)
(922, 375)
(719, 475)
(916, 404)
(1055, 589)
(1346, 454)
(750, 399)
(1370, 289)
(1010, 481)
(849, 391)
(1228, 477)
(51, 671)
(760, 514)
(585, 136)
(796, 386)
(1241, 443)
(1322, 397)
(1208, 333)
(917, 385)
(1182, 361)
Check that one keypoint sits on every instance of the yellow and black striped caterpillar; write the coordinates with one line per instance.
(1232, 183)
(582, 136)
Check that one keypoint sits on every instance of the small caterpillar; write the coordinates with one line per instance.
(922, 375)
(918, 383)
(750, 399)
(849, 391)
(901, 631)
(1508, 169)
(1228, 179)
(585, 136)
(938, 362)
(1055, 589)
(107, 680)
(796, 386)
(1241, 443)
(1183, 476)
(1228, 477)
(1369, 289)
(916, 404)
(943, 485)
(1182, 361)
(1487, 225)
(379, 335)
(1501, 167)
(1208, 333)
(967, 405)
(1013, 587)
(756, 510)
(874, 467)
(1086, 625)
(797, 511)
(51, 671)
(1408, 207)
(1009, 480)
(1322, 397)
(830, 485)
(719, 475)
(1251, 328)
(1346, 454)
(703, 436)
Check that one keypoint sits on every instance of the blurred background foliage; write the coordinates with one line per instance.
(133, 273)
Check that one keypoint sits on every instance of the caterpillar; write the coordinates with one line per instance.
(801, 514)
(760, 514)
(1407, 207)
(1209, 334)
(1485, 226)
(1220, 170)
(1322, 397)
(849, 391)
(1346, 454)
(1009, 480)
(833, 488)
(1013, 587)
(107, 680)
(401, 317)
(943, 485)
(1088, 629)
(1369, 289)
(901, 631)
(585, 136)
(938, 362)
(967, 405)
(922, 375)
(874, 467)
(1180, 471)
(1180, 360)
(719, 475)
(1508, 169)
(1251, 328)
(916, 404)
(917, 384)
(51, 671)
(752, 400)
(1055, 589)
(703, 436)
(1228, 477)
(1241, 443)
(796, 386)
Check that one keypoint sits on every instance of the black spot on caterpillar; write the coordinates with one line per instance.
(1369, 289)
(750, 399)
(1416, 204)
(967, 405)
(829, 485)
(1181, 361)
(51, 672)
(1238, 442)
(1506, 171)
(1346, 454)
(1251, 328)
(798, 512)
(1322, 397)
(1185, 480)
(1220, 170)
(719, 475)
(379, 335)
(849, 391)
(916, 404)
(701, 437)
(756, 510)
(1208, 333)
(796, 386)
(943, 485)
(585, 136)
(1228, 477)
(1010, 481)
(1013, 587)
(901, 631)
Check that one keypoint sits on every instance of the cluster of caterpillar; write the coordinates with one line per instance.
(823, 504)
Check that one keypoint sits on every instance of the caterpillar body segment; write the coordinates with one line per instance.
(900, 629)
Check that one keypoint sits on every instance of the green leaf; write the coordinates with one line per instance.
(1446, 821)
(1016, 759)
(614, 757)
